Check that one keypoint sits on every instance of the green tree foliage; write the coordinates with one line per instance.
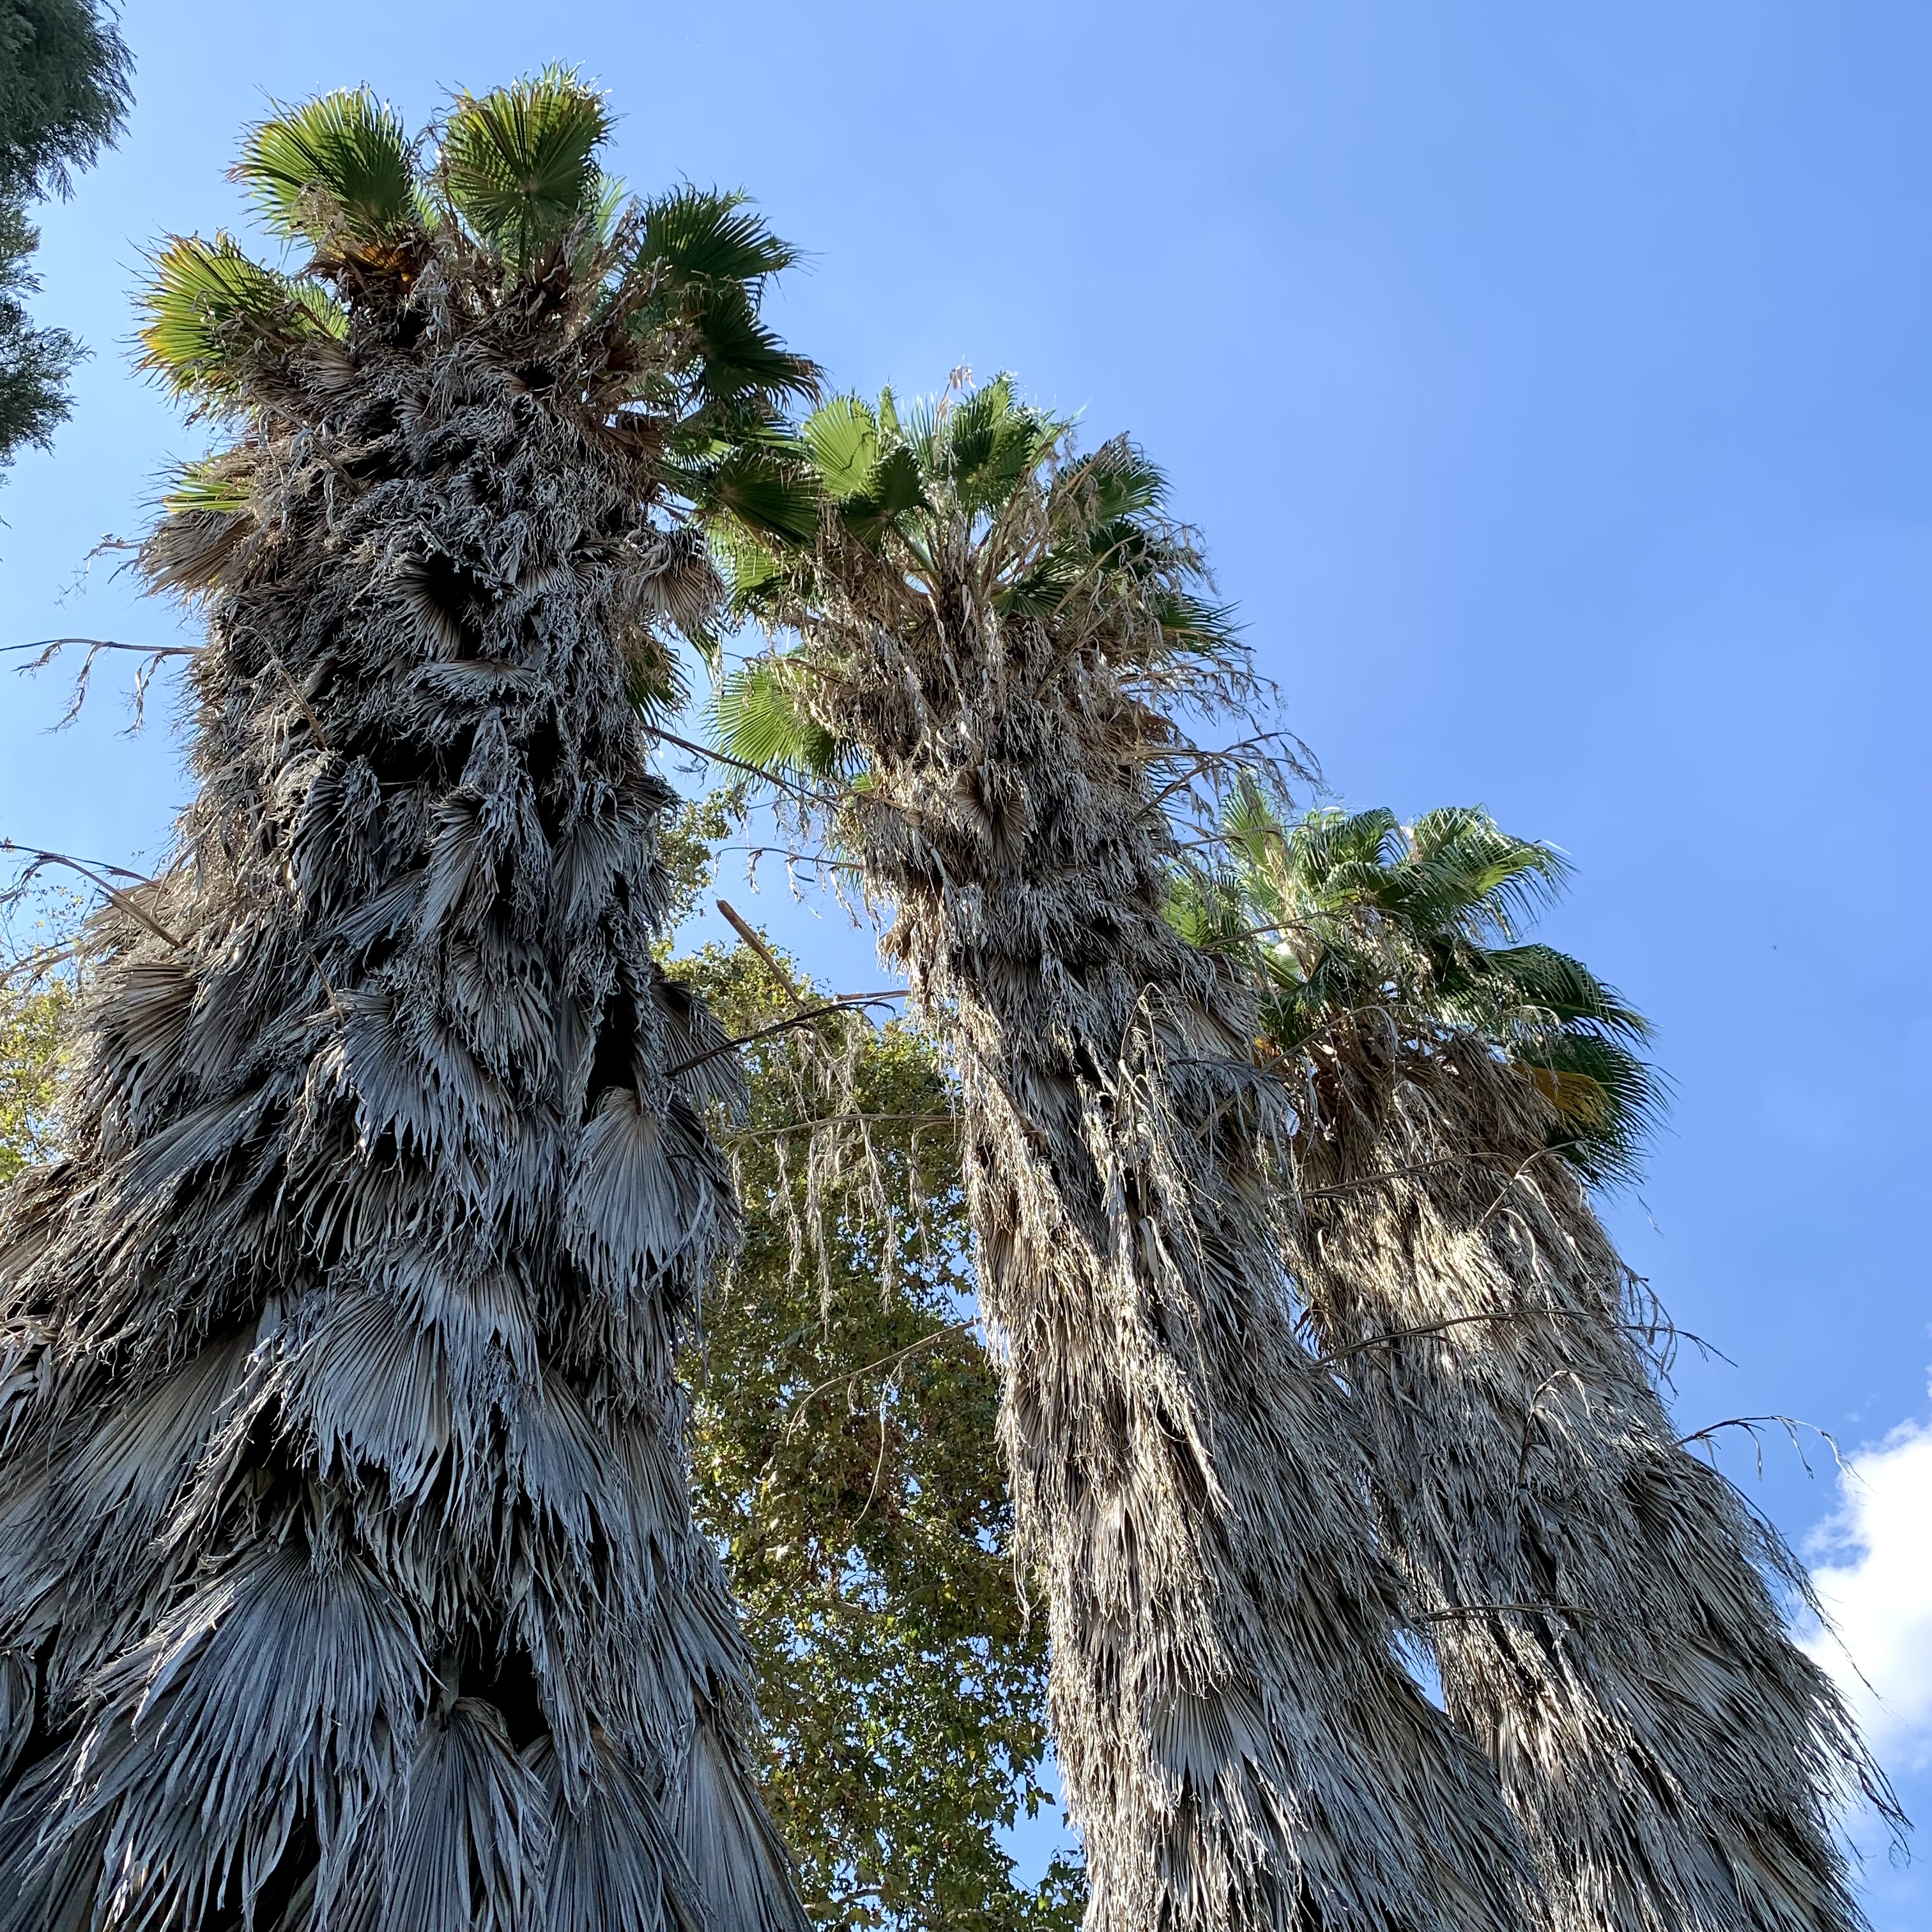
(844, 1458)
(64, 75)
(33, 1017)
(37, 1000)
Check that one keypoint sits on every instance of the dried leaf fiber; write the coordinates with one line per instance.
(1674, 1760)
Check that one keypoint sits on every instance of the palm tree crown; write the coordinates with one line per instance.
(1345, 913)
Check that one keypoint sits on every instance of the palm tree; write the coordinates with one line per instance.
(993, 637)
(1599, 1600)
(347, 1572)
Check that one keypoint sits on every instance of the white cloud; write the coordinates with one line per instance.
(1874, 1576)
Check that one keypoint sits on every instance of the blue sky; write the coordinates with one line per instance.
(1552, 386)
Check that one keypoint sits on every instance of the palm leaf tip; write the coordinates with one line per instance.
(341, 166)
(711, 234)
(520, 163)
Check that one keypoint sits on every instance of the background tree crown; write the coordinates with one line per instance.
(1357, 919)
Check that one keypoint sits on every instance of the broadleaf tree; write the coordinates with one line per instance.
(844, 1458)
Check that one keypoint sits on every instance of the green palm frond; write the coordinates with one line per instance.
(1338, 914)
(753, 570)
(862, 465)
(705, 234)
(758, 719)
(1540, 978)
(741, 355)
(520, 163)
(339, 167)
(1116, 484)
(213, 311)
(1463, 868)
(841, 437)
(1608, 1101)
(776, 501)
(705, 257)
(219, 485)
(989, 442)
(1197, 627)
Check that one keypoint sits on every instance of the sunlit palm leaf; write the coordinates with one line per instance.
(842, 436)
(339, 165)
(520, 163)
(758, 718)
(212, 309)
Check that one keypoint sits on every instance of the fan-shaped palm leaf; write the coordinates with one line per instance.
(520, 163)
(704, 235)
(214, 313)
(759, 720)
(339, 167)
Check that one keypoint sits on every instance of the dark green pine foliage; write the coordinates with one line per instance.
(347, 1571)
(65, 74)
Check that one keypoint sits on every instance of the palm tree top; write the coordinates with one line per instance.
(500, 217)
(1344, 916)
(970, 504)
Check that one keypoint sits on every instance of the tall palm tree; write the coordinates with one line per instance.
(1599, 1600)
(347, 1572)
(991, 639)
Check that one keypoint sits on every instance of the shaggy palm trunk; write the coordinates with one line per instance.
(1674, 1761)
(1240, 1745)
(347, 1576)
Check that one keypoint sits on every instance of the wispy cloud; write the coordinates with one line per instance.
(1874, 1576)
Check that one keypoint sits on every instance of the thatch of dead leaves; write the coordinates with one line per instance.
(995, 640)
(347, 1572)
(1674, 1760)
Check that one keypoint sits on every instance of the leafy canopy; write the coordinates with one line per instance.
(845, 1457)
(1353, 919)
(973, 496)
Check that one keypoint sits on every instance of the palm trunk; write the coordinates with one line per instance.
(347, 1575)
(1674, 1761)
(1240, 1747)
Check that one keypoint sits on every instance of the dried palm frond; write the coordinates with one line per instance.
(996, 636)
(1674, 1760)
(348, 1576)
